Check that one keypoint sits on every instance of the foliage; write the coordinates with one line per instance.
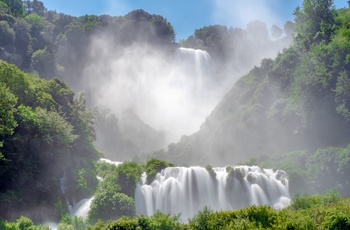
(324, 214)
(109, 204)
(327, 211)
(7, 35)
(155, 166)
(142, 26)
(35, 20)
(297, 102)
(68, 222)
(22, 223)
(314, 22)
(42, 133)
(7, 110)
(15, 7)
(113, 197)
(104, 169)
(211, 171)
(158, 221)
(308, 202)
(201, 220)
(44, 62)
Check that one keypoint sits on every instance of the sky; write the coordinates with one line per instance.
(188, 15)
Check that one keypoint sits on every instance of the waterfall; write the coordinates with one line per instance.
(185, 191)
(195, 63)
(82, 208)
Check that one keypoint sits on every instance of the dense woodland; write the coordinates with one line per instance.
(292, 112)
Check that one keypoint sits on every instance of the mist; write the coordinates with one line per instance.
(161, 89)
(171, 89)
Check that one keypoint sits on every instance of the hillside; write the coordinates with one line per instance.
(299, 101)
(46, 146)
(291, 112)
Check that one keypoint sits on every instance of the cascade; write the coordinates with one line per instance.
(185, 191)
(195, 62)
(82, 208)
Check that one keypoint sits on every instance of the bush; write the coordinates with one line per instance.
(211, 171)
(24, 223)
(154, 166)
(160, 221)
(200, 221)
(129, 174)
(103, 169)
(110, 205)
(72, 222)
(337, 220)
(307, 202)
(124, 223)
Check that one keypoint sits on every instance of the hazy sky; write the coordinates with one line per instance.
(188, 15)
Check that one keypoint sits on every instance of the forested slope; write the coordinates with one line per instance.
(47, 131)
(299, 101)
(47, 151)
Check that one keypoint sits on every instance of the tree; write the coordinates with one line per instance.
(142, 26)
(288, 28)
(44, 62)
(314, 22)
(7, 109)
(23, 44)
(276, 31)
(257, 30)
(15, 6)
(34, 7)
(7, 35)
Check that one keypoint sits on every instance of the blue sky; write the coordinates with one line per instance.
(188, 15)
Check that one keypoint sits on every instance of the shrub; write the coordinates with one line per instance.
(110, 205)
(160, 221)
(154, 166)
(200, 221)
(129, 174)
(337, 220)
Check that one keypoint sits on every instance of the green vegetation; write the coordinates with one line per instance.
(154, 166)
(297, 102)
(327, 211)
(114, 195)
(45, 134)
(317, 172)
(112, 198)
(46, 131)
(54, 44)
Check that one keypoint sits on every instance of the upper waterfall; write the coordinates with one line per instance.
(196, 63)
(185, 191)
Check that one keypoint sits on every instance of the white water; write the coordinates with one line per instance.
(82, 208)
(196, 63)
(187, 190)
(105, 160)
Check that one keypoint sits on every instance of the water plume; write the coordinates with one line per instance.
(169, 89)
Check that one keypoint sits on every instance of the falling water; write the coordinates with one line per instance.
(195, 62)
(82, 208)
(187, 190)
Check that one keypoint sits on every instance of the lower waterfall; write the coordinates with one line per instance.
(185, 191)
